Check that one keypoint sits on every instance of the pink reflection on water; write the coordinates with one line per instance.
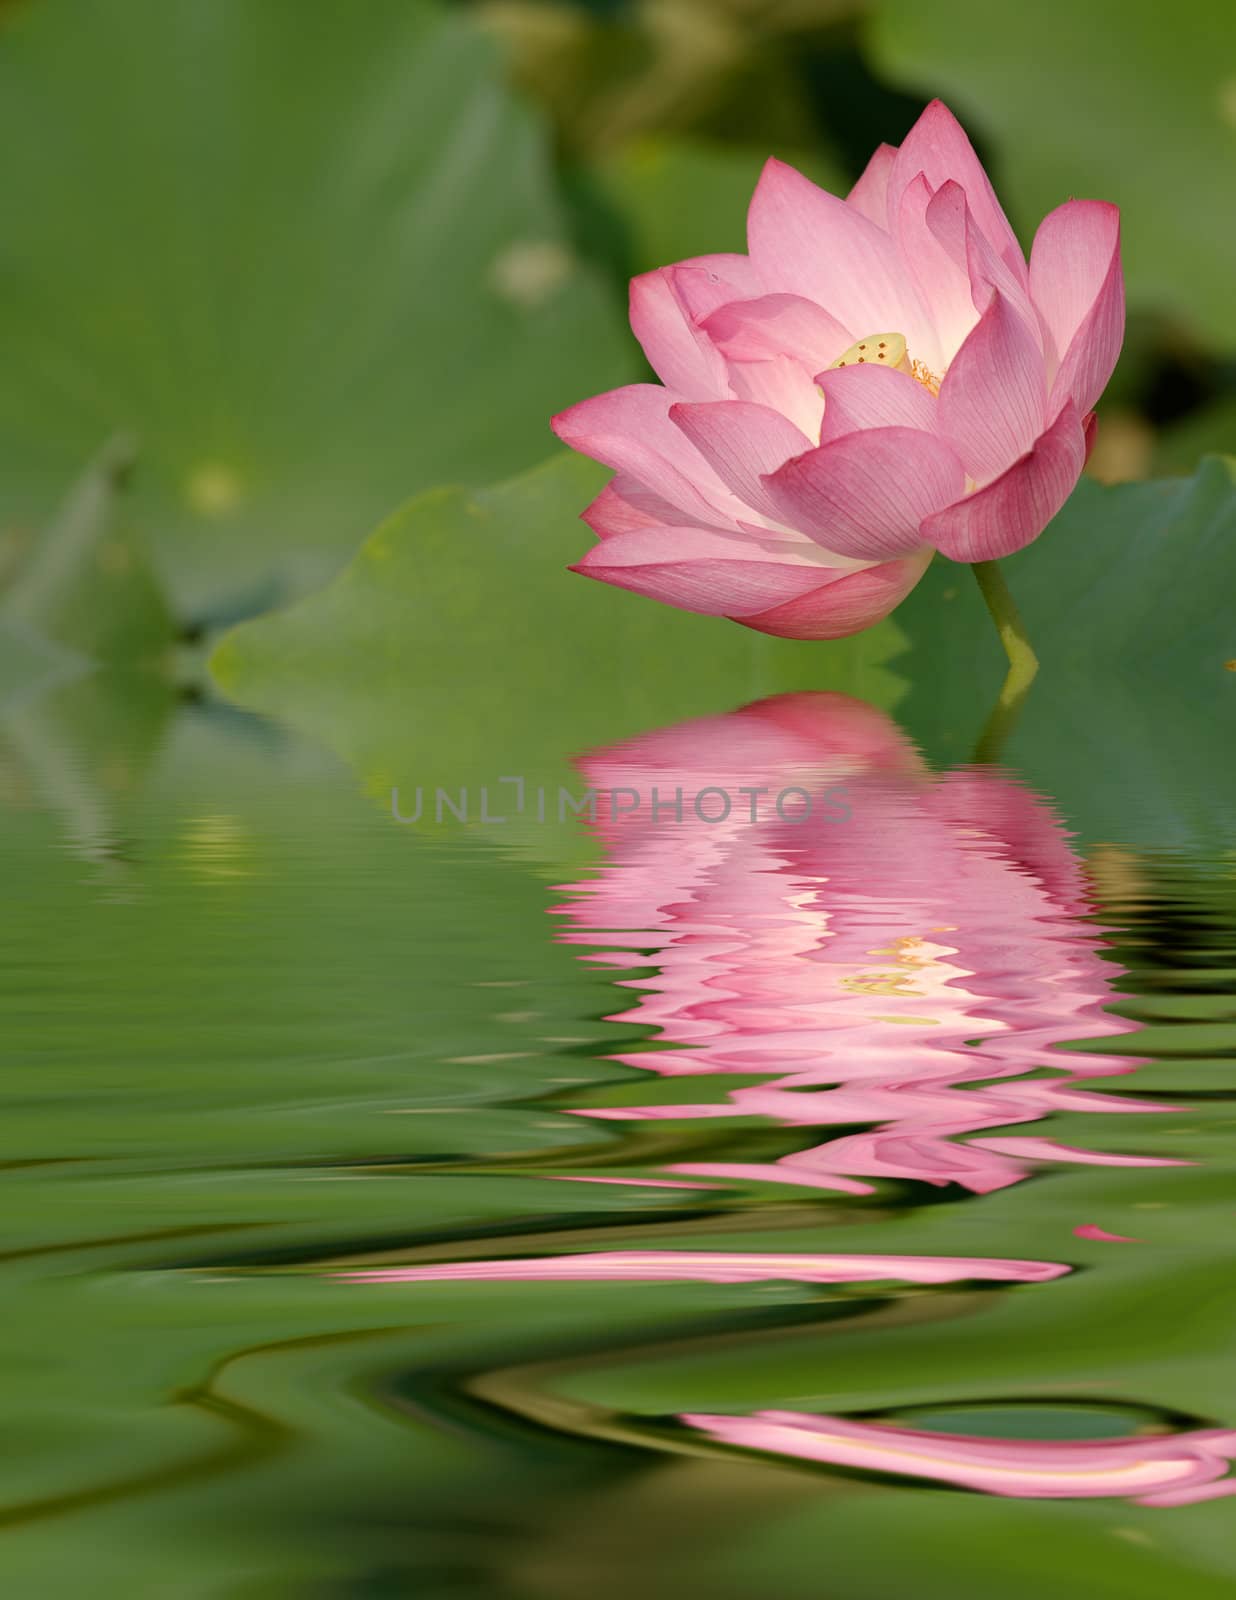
(895, 972)
(1152, 1469)
(719, 1266)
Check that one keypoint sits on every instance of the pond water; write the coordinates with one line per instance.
(719, 1201)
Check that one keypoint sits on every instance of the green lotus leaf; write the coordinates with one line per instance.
(310, 256)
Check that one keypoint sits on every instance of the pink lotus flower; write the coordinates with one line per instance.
(879, 378)
(1167, 1469)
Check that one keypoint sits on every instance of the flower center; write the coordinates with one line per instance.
(888, 349)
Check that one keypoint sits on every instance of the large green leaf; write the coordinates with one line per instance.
(1127, 598)
(309, 254)
(86, 585)
(456, 649)
(1124, 100)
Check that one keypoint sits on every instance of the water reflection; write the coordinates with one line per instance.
(902, 965)
(822, 933)
(1168, 1469)
(78, 747)
(293, 1041)
(720, 1266)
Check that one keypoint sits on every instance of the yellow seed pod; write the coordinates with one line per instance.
(876, 349)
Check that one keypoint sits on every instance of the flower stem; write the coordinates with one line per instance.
(1023, 663)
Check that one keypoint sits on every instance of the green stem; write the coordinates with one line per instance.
(1023, 663)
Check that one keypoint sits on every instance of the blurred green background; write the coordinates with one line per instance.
(312, 259)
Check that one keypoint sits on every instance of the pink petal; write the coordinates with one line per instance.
(870, 194)
(741, 442)
(937, 147)
(866, 494)
(630, 430)
(956, 232)
(931, 231)
(1091, 426)
(697, 569)
(624, 504)
(666, 308)
(778, 324)
(1078, 288)
(783, 384)
(703, 283)
(806, 242)
(680, 355)
(1011, 512)
(873, 397)
(1088, 1230)
(845, 606)
(993, 400)
(1072, 254)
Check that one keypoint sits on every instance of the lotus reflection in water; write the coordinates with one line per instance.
(904, 963)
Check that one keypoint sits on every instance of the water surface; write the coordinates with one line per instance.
(730, 1203)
